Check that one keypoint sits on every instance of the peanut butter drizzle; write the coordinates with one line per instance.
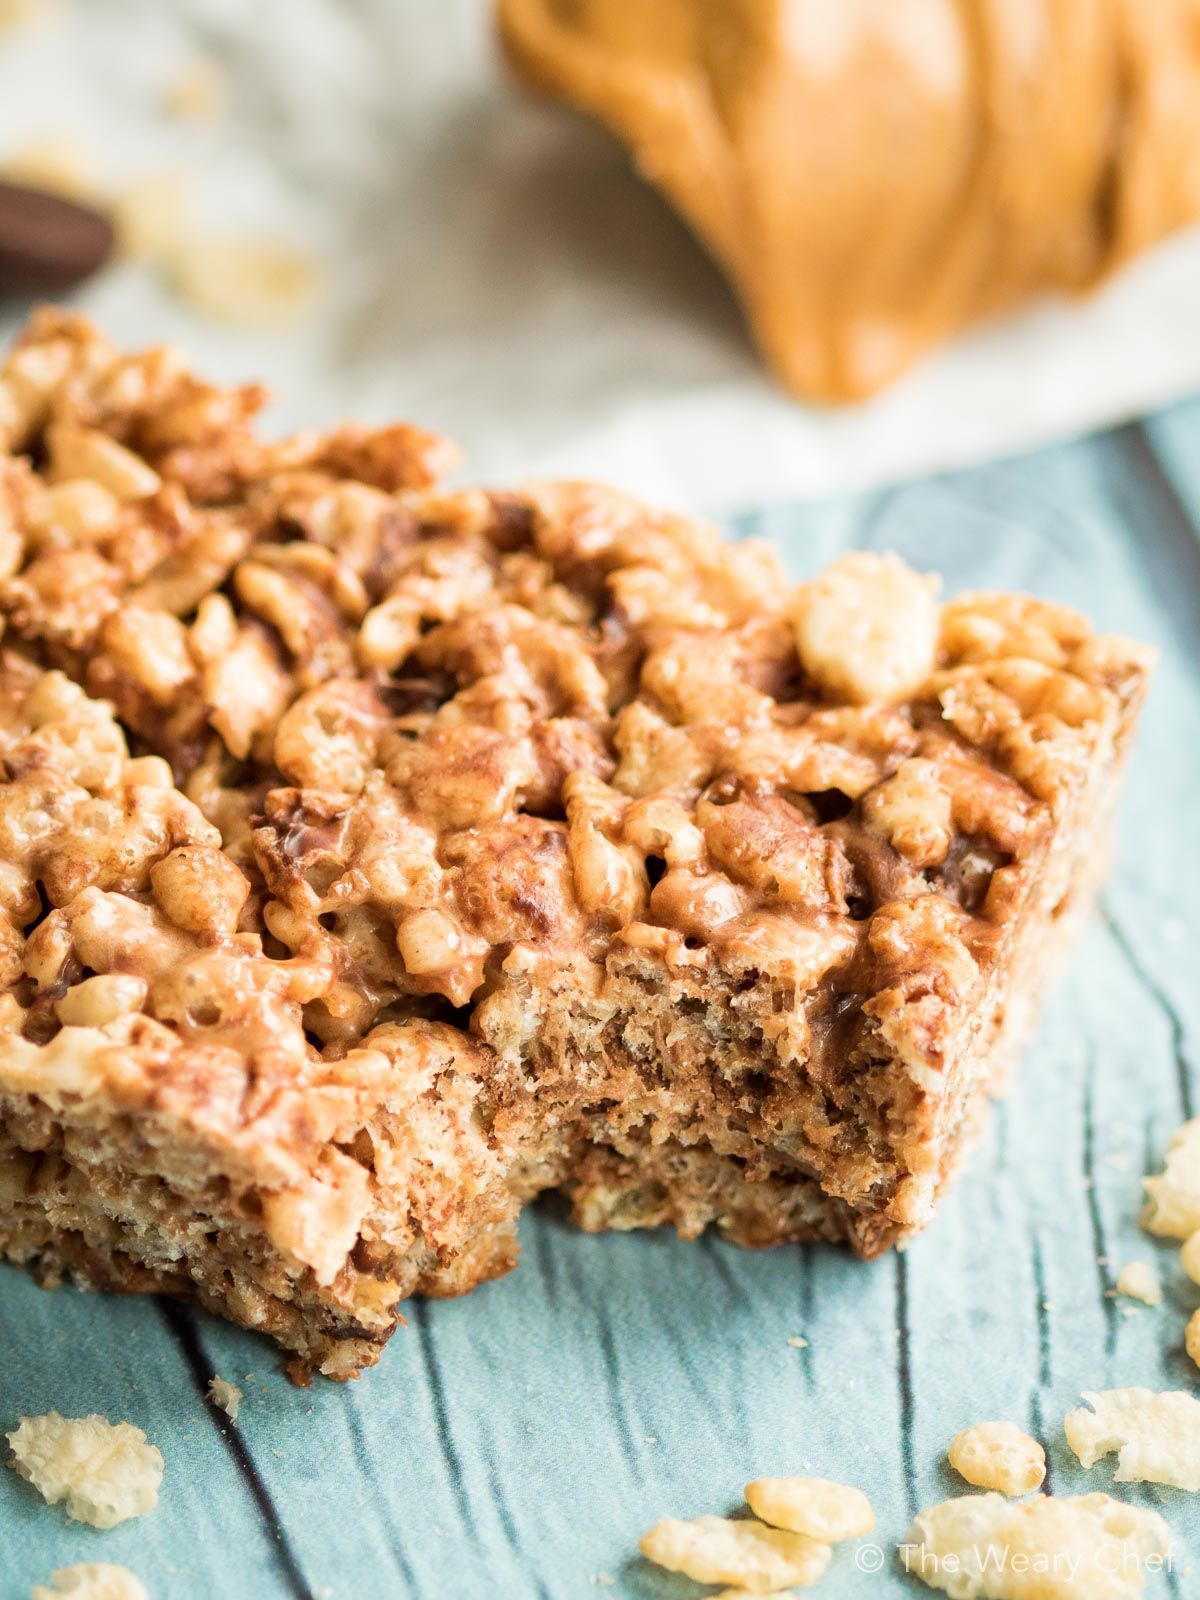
(874, 175)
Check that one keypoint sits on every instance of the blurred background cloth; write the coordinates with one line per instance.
(493, 267)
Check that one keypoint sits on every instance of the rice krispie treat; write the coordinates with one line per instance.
(372, 858)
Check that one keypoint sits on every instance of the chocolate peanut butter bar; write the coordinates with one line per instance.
(373, 858)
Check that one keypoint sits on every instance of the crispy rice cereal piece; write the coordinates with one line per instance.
(227, 1396)
(1074, 1547)
(374, 857)
(54, 162)
(92, 1580)
(150, 216)
(1192, 1337)
(197, 92)
(18, 14)
(867, 629)
(1156, 1436)
(1189, 1256)
(1173, 1208)
(999, 1456)
(815, 1507)
(254, 281)
(1138, 1281)
(105, 1471)
(743, 1553)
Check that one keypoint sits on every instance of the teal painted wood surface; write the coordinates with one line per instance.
(515, 1444)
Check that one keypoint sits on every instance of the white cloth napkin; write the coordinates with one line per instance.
(496, 270)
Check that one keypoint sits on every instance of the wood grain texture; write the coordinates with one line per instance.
(516, 1443)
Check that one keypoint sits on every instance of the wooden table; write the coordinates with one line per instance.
(517, 1442)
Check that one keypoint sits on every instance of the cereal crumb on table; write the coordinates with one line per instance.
(999, 1456)
(17, 14)
(1192, 1337)
(226, 1396)
(1173, 1208)
(1076, 1547)
(55, 162)
(197, 92)
(814, 1507)
(740, 1594)
(105, 1471)
(1156, 1436)
(797, 1342)
(92, 1580)
(151, 218)
(1138, 1281)
(247, 281)
(743, 1553)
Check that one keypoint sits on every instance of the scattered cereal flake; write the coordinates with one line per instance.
(867, 628)
(93, 1580)
(745, 1554)
(150, 218)
(740, 1594)
(225, 1395)
(1000, 1456)
(1192, 1337)
(197, 92)
(1157, 1436)
(54, 162)
(1076, 1547)
(1139, 1281)
(1173, 1209)
(245, 280)
(1189, 1257)
(105, 1471)
(16, 14)
(814, 1507)
(797, 1342)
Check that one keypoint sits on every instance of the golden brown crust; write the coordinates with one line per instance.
(502, 842)
(874, 176)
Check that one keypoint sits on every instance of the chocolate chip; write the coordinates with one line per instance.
(48, 244)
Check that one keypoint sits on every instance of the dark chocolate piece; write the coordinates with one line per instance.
(48, 244)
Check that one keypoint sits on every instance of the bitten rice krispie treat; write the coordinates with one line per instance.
(372, 858)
